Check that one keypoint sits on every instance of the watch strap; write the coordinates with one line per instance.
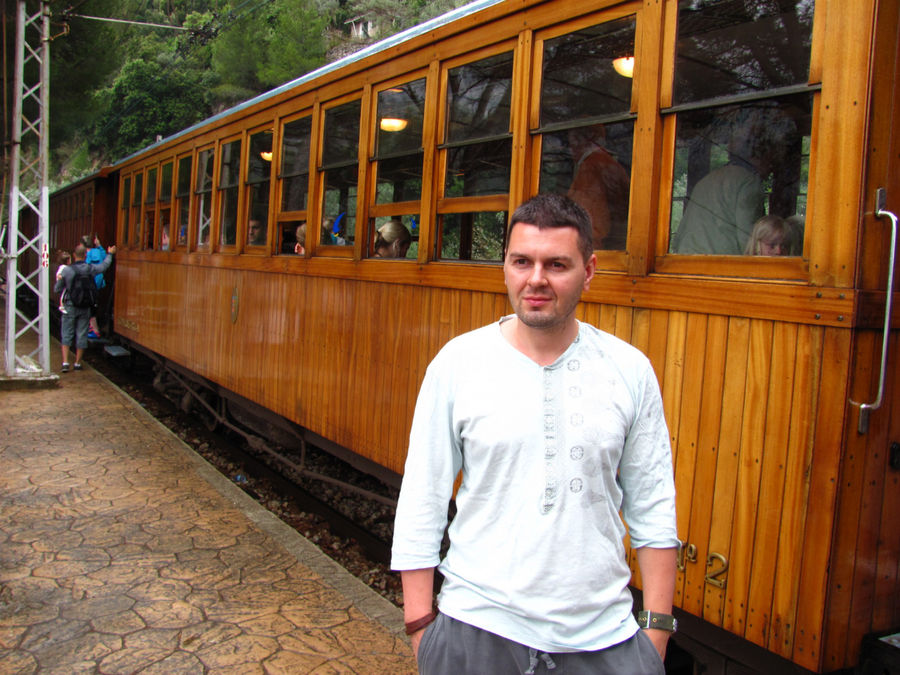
(419, 624)
(657, 620)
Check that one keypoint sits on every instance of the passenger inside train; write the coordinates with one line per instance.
(300, 235)
(392, 240)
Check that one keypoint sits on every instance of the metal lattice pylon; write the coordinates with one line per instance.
(28, 290)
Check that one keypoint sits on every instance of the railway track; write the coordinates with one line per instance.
(349, 527)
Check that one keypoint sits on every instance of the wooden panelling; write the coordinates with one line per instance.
(755, 409)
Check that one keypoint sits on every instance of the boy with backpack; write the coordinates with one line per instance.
(80, 298)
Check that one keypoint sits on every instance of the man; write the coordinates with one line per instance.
(256, 234)
(76, 320)
(557, 427)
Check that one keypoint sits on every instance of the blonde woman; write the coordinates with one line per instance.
(392, 240)
(771, 236)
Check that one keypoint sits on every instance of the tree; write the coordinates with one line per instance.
(147, 100)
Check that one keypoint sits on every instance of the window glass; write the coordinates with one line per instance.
(165, 183)
(583, 76)
(478, 135)
(183, 197)
(395, 237)
(472, 236)
(126, 195)
(229, 187)
(258, 184)
(136, 199)
(341, 174)
(339, 207)
(295, 164)
(398, 143)
(735, 164)
(148, 229)
(731, 47)
(586, 89)
(205, 167)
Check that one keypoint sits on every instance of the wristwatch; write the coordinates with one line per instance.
(658, 620)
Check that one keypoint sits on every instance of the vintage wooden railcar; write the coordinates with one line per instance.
(786, 501)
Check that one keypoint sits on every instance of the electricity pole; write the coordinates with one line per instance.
(28, 193)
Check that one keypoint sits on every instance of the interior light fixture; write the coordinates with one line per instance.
(624, 66)
(266, 155)
(393, 124)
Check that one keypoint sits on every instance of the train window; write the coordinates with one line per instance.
(165, 205)
(295, 164)
(586, 124)
(743, 110)
(183, 200)
(148, 228)
(398, 143)
(205, 166)
(340, 166)
(126, 196)
(395, 237)
(259, 181)
(136, 201)
(472, 236)
(478, 139)
(229, 191)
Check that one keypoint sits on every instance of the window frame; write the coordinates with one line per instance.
(247, 187)
(409, 207)
(281, 216)
(794, 268)
(496, 203)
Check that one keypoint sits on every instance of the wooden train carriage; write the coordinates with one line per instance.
(81, 208)
(784, 506)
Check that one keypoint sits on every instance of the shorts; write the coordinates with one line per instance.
(75, 324)
(452, 647)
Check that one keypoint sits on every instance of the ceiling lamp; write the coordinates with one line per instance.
(624, 66)
(266, 155)
(393, 124)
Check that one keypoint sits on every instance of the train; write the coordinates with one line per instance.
(248, 266)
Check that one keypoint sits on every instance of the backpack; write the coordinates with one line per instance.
(83, 290)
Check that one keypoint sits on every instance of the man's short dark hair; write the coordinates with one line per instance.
(551, 210)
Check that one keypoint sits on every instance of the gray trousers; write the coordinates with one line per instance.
(451, 647)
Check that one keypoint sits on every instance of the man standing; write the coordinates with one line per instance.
(557, 427)
(76, 320)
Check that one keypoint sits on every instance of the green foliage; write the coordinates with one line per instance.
(116, 87)
(146, 100)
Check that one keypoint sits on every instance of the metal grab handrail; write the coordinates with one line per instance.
(865, 409)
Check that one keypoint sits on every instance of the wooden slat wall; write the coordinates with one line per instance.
(756, 410)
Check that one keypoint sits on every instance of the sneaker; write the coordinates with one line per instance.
(65, 368)
(77, 366)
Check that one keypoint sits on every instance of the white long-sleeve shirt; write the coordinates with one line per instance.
(549, 457)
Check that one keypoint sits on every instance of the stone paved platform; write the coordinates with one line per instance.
(122, 551)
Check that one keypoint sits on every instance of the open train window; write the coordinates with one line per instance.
(258, 187)
(340, 174)
(183, 201)
(477, 155)
(294, 184)
(203, 196)
(165, 205)
(586, 127)
(742, 108)
(229, 193)
(149, 226)
(398, 164)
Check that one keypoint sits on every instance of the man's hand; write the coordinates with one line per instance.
(659, 638)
